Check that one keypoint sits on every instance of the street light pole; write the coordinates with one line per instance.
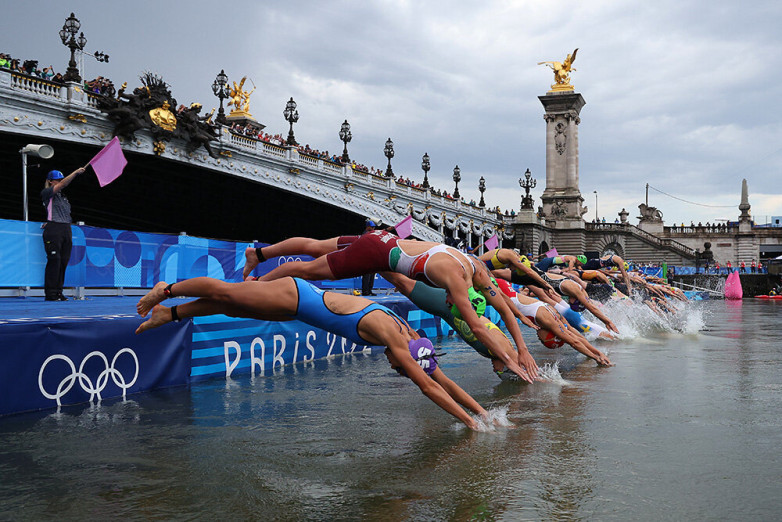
(597, 215)
(425, 166)
(68, 37)
(482, 188)
(345, 135)
(220, 89)
(527, 202)
(388, 150)
(292, 116)
(457, 177)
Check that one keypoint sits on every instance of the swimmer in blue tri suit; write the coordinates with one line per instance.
(355, 318)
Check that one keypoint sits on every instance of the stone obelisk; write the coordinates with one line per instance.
(562, 202)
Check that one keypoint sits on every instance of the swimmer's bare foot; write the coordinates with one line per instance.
(251, 261)
(160, 316)
(153, 297)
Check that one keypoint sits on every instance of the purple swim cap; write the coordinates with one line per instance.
(422, 351)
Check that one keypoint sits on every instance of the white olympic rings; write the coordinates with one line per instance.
(94, 389)
(287, 259)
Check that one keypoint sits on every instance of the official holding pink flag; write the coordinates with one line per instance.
(57, 237)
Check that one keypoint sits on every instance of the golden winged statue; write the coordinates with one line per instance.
(562, 72)
(240, 99)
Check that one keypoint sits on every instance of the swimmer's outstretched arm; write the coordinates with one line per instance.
(579, 294)
(492, 294)
(381, 332)
(458, 394)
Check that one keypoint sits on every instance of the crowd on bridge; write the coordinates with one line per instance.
(99, 85)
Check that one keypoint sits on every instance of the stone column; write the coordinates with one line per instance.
(562, 201)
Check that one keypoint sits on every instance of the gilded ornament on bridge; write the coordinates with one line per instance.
(240, 99)
(163, 118)
(160, 148)
(562, 72)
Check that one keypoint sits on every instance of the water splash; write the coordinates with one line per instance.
(549, 372)
(634, 319)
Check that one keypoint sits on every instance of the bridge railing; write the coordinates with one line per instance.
(651, 238)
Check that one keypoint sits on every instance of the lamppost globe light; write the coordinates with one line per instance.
(388, 150)
(425, 166)
(68, 37)
(220, 89)
(527, 202)
(345, 135)
(292, 116)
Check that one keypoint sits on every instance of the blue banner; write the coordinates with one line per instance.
(49, 362)
(225, 346)
(106, 258)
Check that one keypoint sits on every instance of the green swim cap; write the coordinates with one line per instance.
(582, 259)
(476, 299)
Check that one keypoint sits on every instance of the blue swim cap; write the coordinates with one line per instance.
(422, 351)
(54, 174)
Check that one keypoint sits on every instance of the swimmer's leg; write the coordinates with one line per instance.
(291, 246)
(315, 270)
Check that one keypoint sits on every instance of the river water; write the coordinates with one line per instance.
(686, 426)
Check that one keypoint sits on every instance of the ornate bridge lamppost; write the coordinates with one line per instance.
(457, 177)
(425, 166)
(220, 89)
(597, 216)
(345, 136)
(527, 202)
(68, 37)
(291, 116)
(482, 188)
(388, 150)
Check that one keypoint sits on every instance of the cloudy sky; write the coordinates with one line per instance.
(679, 95)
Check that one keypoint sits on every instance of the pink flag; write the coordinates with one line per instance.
(109, 162)
(405, 227)
(552, 253)
(492, 242)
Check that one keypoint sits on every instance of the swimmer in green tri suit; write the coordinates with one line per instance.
(286, 299)
(434, 301)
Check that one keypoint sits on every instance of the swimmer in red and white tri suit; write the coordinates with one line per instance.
(432, 263)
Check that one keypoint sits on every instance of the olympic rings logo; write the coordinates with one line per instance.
(86, 383)
(287, 259)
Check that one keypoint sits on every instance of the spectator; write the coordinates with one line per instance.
(730, 267)
(753, 266)
(4, 61)
(742, 267)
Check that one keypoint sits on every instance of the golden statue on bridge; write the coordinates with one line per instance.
(240, 99)
(562, 72)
